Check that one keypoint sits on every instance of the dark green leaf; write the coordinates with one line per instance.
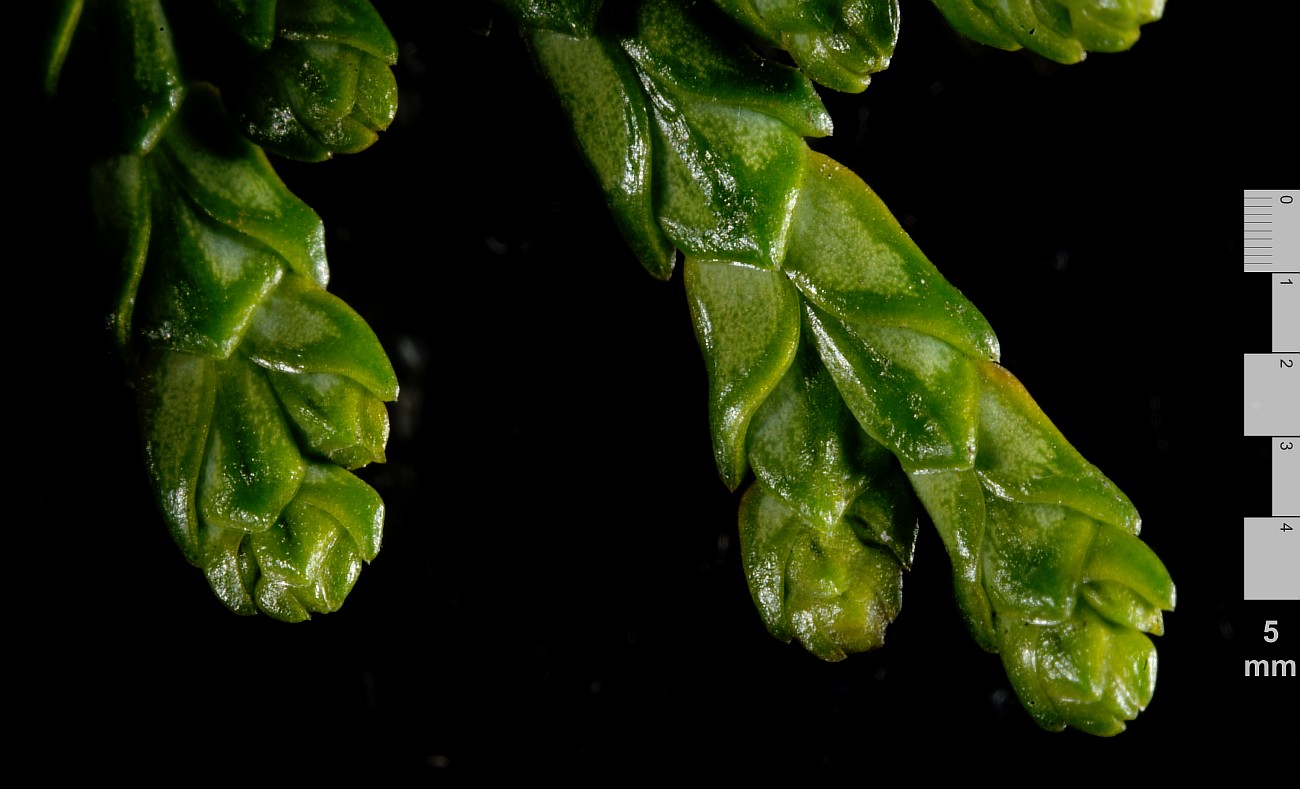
(253, 468)
(600, 92)
(839, 43)
(177, 392)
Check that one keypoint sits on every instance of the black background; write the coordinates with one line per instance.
(560, 589)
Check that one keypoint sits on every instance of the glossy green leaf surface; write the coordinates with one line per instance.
(697, 141)
(176, 399)
(271, 529)
(567, 17)
(842, 366)
(1063, 30)
(259, 371)
(253, 467)
(257, 389)
(232, 181)
(221, 231)
(203, 281)
(676, 48)
(323, 86)
(147, 72)
(302, 328)
(599, 90)
(850, 258)
(747, 323)
(1086, 673)
(838, 43)
(1063, 590)
(352, 503)
(1024, 458)
(334, 416)
(352, 23)
(728, 159)
(806, 447)
(816, 582)
(911, 392)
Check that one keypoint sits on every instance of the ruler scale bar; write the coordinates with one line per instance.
(1271, 231)
(1272, 399)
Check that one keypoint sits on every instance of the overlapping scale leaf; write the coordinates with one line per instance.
(353, 504)
(324, 85)
(232, 181)
(147, 74)
(1033, 559)
(353, 23)
(203, 280)
(311, 560)
(850, 258)
(1042, 544)
(1111, 25)
(1073, 646)
(747, 324)
(214, 249)
(1024, 458)
(221, 230)
(228, 564)
(1087, 673)
(828, 527)
(302, 328)
(176, 395)
(678, 49)
(136, 79)
(1049, 571)
(955, 503)
(696, 140)
(807, 448)
(271, 530)
(885, 374)
(253, 467)
(567, 17)
(241, 456)
(911, 392)
(334, 416)
(1062, 30)
(838, 43)
(725, 182)
(894, 334)
(1126, 582)
(728, 150)
(599, 90)
(816, 582)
